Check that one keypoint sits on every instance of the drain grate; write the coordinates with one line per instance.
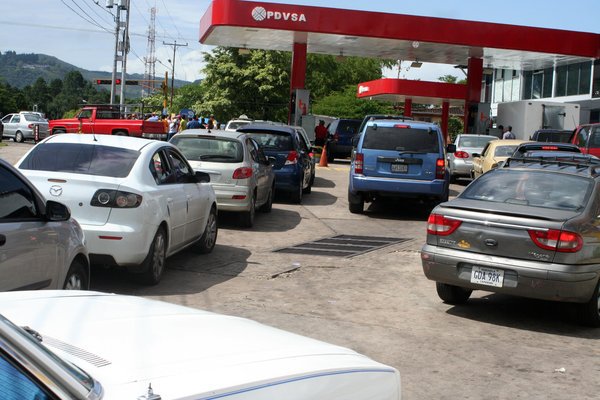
(342, 246)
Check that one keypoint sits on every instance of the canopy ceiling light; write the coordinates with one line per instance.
(416, 64)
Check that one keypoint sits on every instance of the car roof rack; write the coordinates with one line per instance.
(592, 165)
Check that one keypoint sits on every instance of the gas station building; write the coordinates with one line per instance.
(502, 62)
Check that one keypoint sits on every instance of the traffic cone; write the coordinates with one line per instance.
(323, 160)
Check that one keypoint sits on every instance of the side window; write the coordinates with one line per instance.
(594, 142)
(582, 136)
(15, 384)
(16, 119)
(179, 167)
(160, 169)
(253, 149)
(485, 150)
(259, 152)
(17, 201)
(85, 114)
(302, 143)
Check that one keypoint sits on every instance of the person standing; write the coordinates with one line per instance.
(508, 134)
(183, 123)
(173, 127)
(193, 124)
(320, 134)
(211, 122)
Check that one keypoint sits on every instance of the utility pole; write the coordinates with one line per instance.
(109, 4)
(124, 50)
(175, 45)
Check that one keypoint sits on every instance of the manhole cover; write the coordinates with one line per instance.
(342, 246)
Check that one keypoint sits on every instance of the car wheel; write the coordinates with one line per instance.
(268, 206)
(19, 137)
(356, 203)
(312, 178)
(296, 195)
(58, 131)
(77, 277)
(453, 178)
(307, 189)
(589, 313)
(247, 217)
(209, 238)
(452, 294)
(154, 264)
(120, 133)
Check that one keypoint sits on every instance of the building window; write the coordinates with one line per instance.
(573, 79)
(537, 84)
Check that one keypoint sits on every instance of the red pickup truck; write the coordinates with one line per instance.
(587, 137)
(107, 120)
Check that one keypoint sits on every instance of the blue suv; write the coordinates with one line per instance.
(398, 158)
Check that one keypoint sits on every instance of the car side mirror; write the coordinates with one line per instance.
(451, 148)
(57, 212)
(202, 177)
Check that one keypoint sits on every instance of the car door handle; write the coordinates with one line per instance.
(2, 240)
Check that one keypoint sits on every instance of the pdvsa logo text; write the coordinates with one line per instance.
(261, 14)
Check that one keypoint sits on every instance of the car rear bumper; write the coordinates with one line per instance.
(539, 280)
(397, 187)
(287, 180)
(460, 167)
(226, 201)
(127, 245)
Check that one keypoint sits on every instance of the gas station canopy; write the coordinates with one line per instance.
(259, 25)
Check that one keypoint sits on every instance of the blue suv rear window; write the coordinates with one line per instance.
(401, 139)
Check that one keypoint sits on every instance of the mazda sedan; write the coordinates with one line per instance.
(529, 228)
(240, 173)
(137, 200)
(90, 345)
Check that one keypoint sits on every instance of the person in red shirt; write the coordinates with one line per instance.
(320, 134)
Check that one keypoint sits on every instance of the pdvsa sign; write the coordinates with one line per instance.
(363, 89)
(261, 14)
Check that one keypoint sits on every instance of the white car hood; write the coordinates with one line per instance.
(127, 343)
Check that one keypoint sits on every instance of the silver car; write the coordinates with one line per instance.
(22, 126)
(41, 246)
(460, 163)
(240, 174)
(529, 228)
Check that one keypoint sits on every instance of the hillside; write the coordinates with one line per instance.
(20, 70)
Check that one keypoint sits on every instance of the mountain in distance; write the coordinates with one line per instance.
(20, 70)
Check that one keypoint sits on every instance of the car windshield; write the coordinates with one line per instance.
(273, 141)
(210, 149)
(532, 188)
(504, 151)
(401, 139)
(347, 127)
(475, 141)
(80, 158)
(33, 117)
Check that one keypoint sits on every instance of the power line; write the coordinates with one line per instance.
(172, 20)
(96, 12)
(90, 20)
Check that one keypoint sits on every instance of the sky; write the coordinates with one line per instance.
(81, 32)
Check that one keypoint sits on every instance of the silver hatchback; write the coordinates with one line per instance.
(41, 246)
(530, 228)
(22, 126)
(460, 163)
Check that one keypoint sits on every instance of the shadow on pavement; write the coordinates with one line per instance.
(278, 220)
(186, 273)
(318, 198)
(400, 209)
(323, 183)
(534, 315)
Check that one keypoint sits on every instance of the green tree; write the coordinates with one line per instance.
(452, 79)
(345, 104)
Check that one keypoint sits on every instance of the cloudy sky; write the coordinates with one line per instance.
(81, 32)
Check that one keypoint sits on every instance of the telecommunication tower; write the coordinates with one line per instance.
(150, 59)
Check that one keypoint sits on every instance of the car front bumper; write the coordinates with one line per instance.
(525, 278)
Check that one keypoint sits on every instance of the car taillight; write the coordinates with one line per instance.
(440, 168)
(292, 158)
(359, 162)
(549, 147)
(442, 226)
(242, 173)
(336, 137)
(30, 126)
(115, 199)
(556, 240)
(402, 126)
(461, 154)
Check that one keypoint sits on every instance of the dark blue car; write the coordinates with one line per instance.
(293, 165)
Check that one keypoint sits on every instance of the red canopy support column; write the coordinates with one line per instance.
(474, 77)
(445, 117)
(408, 107)
(298, 75)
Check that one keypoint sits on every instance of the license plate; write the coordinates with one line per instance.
(400, 168)
(487, 276)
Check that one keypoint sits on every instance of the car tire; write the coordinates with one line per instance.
(19, 138)
(58, 131)
(154, 264)
(453, 178)
(296, 195)
(356, 203)
(312, 179)
(77, 278)
(120, 133)
(307, 189)
(207, 242)
(452, 294)
(268, 206)
(589, 313)
(247, 217)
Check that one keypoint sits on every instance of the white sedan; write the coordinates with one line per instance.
(122, 347)
(137, 200)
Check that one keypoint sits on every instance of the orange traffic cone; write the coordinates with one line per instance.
(323, 160)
